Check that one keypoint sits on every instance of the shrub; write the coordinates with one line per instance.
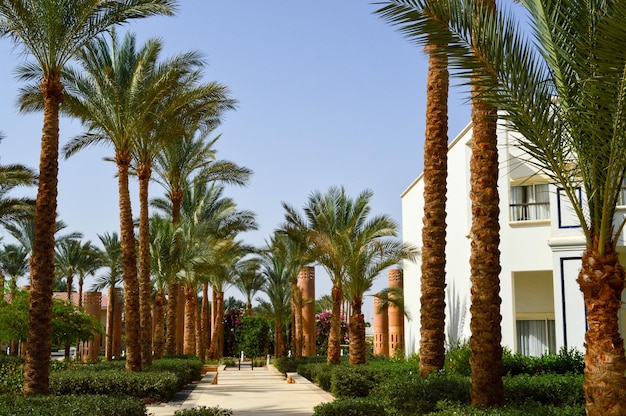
(526, 409)
(457, 359)
(286, 364)
(187, 369)
(548, 389)
(350, 407)
(204, 411)
(85, 405)
(11, 375)
(409, 394)
(252, 337)
(155, 385)
(322, 376)
(356, 381)
(322, 331)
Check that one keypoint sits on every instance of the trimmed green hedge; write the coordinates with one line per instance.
(159, 386)
(350, 407)
(525, 409)
(85, 405)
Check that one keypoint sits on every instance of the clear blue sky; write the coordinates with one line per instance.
(328, 95)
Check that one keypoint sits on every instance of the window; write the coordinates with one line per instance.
(536, 337)
(530, 202)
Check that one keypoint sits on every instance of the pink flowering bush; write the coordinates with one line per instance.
(322, 331)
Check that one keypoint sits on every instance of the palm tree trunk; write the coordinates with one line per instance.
(601, 280)
(205, 326)
(145, 287)
(108, 350)
(198, 326)
(334, 337)
(70, 282)
(433, 280)
(217, 338)
(129, 266)
(37, 364)
(172, 307)
(279, 339)
(159, 325)
(485, 343)
(357, 333)
(189, 340)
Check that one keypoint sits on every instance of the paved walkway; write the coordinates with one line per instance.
(263, 391)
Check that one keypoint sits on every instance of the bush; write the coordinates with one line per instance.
(409, 394)
(350, 407)
(323, 375)
(11, 375)
(547, 389)
(204, 411)
(187, 369)
(356, 381)
(252, 337)
(286, 364)
(84, 405)
(457, 360)
(159, 386)
(526, 409)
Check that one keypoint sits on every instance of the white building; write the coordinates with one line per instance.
(540, 243)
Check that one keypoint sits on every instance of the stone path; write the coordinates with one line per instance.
(263, 391)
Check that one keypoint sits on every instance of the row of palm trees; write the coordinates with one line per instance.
(563, 92)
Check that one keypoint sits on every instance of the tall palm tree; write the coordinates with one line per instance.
(433, 265)
(111, 260)
(67, 256)
(563, 92)
(249, 280)
(290, 245)
(186, 101)
(225, 257)
(116, 97)
(163, 259)
(176, 167)
(329, 221)
(90, 261)
(277, 288)
(53, 31)
(368, 250)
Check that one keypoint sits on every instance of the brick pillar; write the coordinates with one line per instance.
(381, 329)
(396, 317)
(92, 302)
(306, 283)
(116, 331)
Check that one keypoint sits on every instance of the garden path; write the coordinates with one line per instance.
(263, 391)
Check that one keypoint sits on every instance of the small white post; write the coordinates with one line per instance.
(268, 360)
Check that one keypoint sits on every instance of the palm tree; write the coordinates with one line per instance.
(14, 264)
(330, 221)
(90, 261)
(186, 102)
(68, 254)
(53, 31)
(289, 245)
(111, 260)
(249, 280)
(562, 92)
(175, 166)
(369, 249)
(324, 303)
(277, 288)
(433, 265)
(116, 98)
